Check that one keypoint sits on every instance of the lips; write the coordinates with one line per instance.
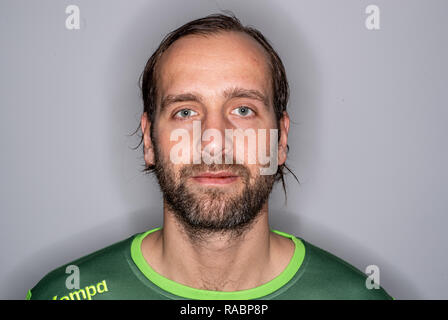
(223, 177)
(224, 174)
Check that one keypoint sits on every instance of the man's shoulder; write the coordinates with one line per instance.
(89, 271)
(327, 276)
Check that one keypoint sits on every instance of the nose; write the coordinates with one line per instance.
(212, 144)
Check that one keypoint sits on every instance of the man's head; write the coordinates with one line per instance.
(227, 76)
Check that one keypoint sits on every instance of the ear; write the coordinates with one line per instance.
(148, 150)
(283, 141)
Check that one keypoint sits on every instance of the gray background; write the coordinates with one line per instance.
(367, 140)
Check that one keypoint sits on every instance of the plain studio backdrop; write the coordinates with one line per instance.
(367, 138)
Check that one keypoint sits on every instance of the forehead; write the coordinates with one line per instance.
(213, 63)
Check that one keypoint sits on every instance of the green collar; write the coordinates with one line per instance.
(193, 293)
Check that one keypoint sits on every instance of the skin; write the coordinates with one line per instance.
(208, 66)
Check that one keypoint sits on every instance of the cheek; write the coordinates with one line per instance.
(164, 139)
(164, 143)
(271, 145)
(257, 148)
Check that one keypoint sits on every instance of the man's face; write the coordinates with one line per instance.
(223, 81)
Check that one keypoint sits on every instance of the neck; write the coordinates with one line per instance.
(216, 261)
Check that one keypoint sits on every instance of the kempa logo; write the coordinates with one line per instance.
(86, 293)
(213, 152)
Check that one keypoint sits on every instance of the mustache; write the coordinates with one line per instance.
(195, 169)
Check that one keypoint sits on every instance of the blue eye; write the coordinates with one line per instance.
(185, 113)
(243, 111)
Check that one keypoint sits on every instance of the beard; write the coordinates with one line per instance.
(204, 211)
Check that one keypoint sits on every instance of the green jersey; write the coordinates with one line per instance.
(120, 272)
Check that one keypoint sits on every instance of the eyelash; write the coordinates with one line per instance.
(246, 107)
(242, 106)
(181, 118)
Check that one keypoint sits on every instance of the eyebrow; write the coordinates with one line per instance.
(173, 98)
(235, 92)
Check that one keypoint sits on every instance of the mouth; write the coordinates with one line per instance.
(216, 178)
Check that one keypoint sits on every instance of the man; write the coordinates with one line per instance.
(209, 81)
